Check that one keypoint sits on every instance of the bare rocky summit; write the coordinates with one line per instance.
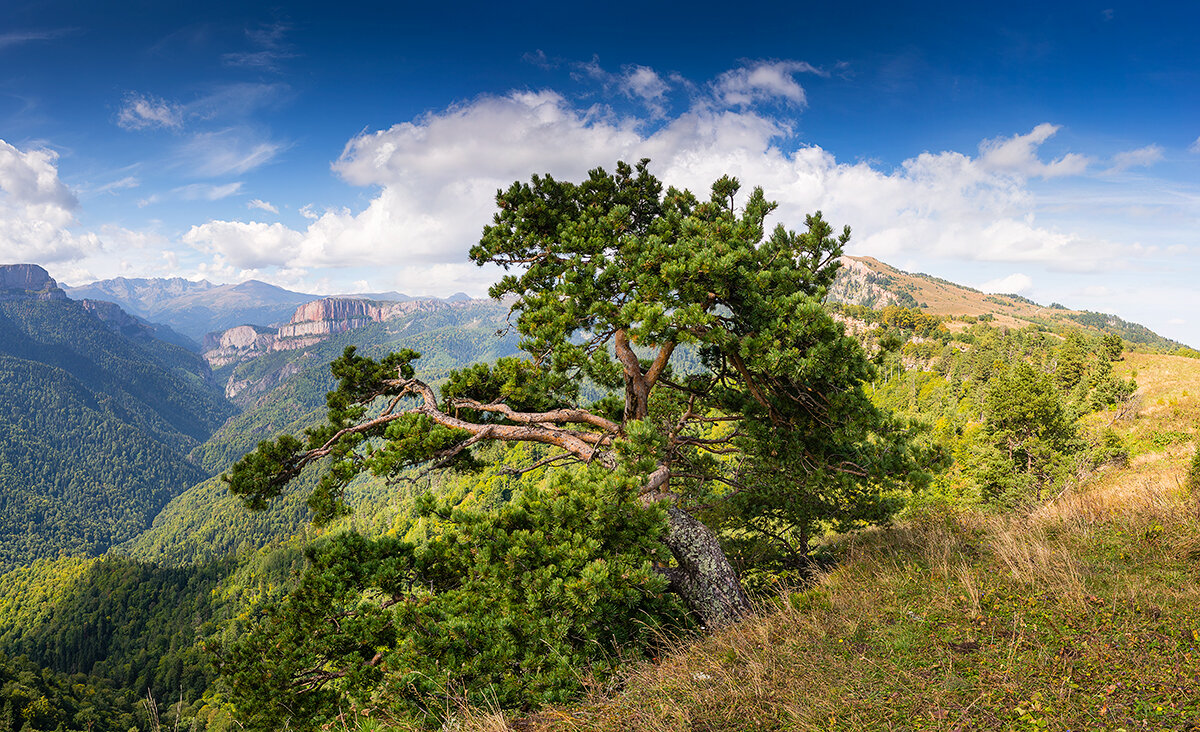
(28, 282)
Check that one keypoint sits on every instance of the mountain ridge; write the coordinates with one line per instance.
(868, 282)
(196, 308)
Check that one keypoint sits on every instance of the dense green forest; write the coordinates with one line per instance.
(94, 430)
(33, 697)
(162, 389)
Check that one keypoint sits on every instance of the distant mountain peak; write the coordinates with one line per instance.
(195, 308)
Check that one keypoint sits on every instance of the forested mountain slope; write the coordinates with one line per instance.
(95, 428)
(288, 390)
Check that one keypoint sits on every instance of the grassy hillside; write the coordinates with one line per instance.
(867, 281)
(1083, 613)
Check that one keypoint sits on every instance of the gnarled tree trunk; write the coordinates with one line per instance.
(704, 578)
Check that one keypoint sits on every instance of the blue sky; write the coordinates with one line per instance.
(1049, 151)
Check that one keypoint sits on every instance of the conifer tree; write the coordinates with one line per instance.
(608, 278)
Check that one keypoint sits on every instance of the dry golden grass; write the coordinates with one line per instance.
(942, 298)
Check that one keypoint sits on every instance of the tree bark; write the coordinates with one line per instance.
(704, 578)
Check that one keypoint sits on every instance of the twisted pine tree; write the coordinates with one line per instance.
(771, 434)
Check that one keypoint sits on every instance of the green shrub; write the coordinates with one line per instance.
(512, 607)
(1110, 450)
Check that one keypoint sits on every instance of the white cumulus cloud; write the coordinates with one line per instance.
(437, 175)
(251, 245)
(1018, 155)
(763, 81)
(1013, 284)
(37, 210)
(644, 83)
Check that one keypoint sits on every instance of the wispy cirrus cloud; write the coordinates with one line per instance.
(261, 205)
(17, 38)
(1143, 157)
(142, 111)
(214, 133)
(194, 192)
(236, 101)
(120, 184)
(270, 49)
(229, 151)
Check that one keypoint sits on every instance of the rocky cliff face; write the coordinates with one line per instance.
(317, 320)
(310, 324)
(28, 282)
(237, 344)
(113, 316)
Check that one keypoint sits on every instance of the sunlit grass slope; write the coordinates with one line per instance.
(1082, 614)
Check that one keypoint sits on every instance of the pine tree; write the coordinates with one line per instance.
(608, 278)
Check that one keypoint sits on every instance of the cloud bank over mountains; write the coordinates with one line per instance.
(431, 182)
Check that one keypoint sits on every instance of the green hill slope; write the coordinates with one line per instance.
(867, 281)
(94, 429)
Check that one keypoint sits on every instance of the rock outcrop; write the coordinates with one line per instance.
(315, 321)
(28, 282)
(237, 344)
(310, 324)
(858, 284)
(113, 316)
